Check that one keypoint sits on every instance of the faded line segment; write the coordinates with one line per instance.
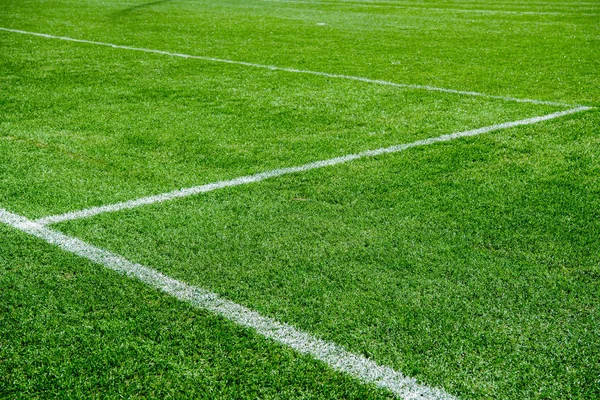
(331, 354)
(293, 70)
(427, 9)
(159, 198)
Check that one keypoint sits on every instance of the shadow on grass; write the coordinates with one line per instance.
(140, 6)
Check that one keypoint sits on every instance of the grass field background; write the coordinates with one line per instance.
(472, 265)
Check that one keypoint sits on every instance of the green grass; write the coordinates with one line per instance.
(472, 265)
(141, 124)
(73, 330)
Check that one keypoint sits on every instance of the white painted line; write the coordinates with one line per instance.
(293, 70)
(159, 198)
(331, 354)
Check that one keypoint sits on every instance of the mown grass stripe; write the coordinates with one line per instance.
(333, 355)
(426, 8)
(159, 198)
(293, 70)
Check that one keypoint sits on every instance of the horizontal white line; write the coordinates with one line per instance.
(285, 171)
(331, 354)
(299, 71)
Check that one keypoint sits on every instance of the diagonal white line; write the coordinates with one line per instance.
(293, 70)
(331, 354)
(285, 171)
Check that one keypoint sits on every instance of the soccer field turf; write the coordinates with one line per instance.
(299, 199)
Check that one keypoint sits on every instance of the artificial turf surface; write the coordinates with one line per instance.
(472, 266)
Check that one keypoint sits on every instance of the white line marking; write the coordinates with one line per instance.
(293, 70)
(285, 171)
(331, 354)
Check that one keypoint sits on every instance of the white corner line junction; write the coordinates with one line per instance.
(331, 354)
(292, 70)
(163, 197)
